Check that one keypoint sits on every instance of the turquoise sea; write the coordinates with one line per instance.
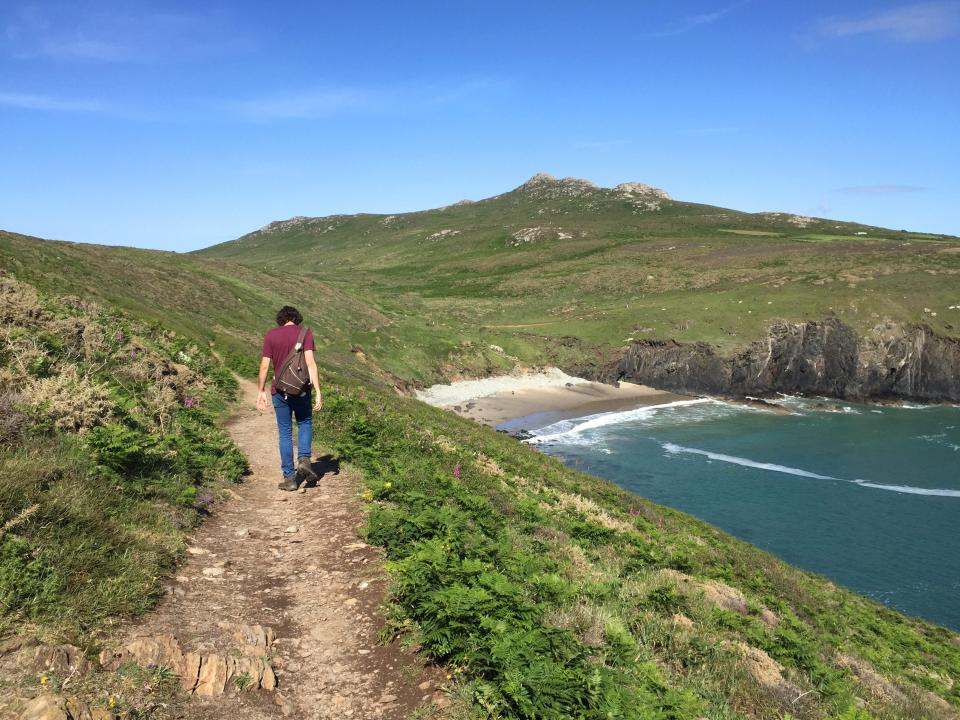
(868, 496)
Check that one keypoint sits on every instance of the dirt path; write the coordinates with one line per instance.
(291, 562)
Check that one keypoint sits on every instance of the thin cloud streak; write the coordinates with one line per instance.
(709, 131)
(302, 106)
(906, 23)
(692, 22)
(601, 145)
(881, 189)
(325, 102)
(27, 101)
(105, 34)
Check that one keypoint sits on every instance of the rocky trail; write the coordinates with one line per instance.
(276, 611)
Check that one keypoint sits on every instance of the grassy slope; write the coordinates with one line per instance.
(212, 301)
(553, 593)
(492, 546)
(109, 452)
(687, 271)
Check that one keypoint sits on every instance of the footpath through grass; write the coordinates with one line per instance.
(553, 594)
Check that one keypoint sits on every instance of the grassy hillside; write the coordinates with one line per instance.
(561, 271)
(545, 592)
(109, 452)
(552, 594)
(212, 301)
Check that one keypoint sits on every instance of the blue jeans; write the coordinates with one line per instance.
(286, 409)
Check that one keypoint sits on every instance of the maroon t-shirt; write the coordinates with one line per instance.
(278, 343)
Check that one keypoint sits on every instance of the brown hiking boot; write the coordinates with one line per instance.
(305, 469)
(289, 482)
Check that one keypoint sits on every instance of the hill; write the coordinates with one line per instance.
(544, 592)
(564, 272)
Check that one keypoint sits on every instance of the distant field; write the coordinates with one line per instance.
(755, 233)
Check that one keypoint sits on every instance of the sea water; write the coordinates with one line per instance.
(868, 496)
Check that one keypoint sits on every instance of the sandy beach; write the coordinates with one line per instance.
(528, 402)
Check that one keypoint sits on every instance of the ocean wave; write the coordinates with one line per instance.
(570, 429)
(941, 439)
(674, 449)
(908, 489)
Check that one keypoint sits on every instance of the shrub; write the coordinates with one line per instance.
(13, 422)
(72, 402)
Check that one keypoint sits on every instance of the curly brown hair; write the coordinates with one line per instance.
(289, 314)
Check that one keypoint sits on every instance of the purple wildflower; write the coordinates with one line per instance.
(456, 471)
(189, 402)
(133, 353)
(206, 498)
(120, 336)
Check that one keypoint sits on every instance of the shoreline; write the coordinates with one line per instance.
(521, 403)
(515, 403)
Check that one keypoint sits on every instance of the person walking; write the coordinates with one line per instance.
(290, 348)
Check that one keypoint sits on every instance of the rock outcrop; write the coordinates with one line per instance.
(545, 186)
(824, 357)
(205, 675)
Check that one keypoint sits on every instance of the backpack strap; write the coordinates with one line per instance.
(293, 354)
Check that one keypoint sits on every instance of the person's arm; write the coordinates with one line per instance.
(314, 378)
(261, 384)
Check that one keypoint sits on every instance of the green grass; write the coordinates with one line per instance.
(753, 233)
(109, 452)
(410, 299)
(546, 593)
(722, 276)
(552, 593)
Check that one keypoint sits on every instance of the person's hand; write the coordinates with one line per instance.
(318, 404)
(262, 401)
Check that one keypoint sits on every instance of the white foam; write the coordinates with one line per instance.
(675, 449)
(568, 429)
(773, 467)
(909, 489)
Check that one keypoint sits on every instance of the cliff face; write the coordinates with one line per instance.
(811, 358)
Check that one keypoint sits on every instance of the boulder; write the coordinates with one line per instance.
(212, 680)
(64, 660)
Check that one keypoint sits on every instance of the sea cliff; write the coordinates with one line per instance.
(825, 357)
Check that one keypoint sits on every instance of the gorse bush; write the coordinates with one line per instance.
(551, 594)
(109, 429)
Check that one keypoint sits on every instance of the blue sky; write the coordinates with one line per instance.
(176, 125)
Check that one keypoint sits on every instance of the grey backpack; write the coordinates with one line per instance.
(292, 377)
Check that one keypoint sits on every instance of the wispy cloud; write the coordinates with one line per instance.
(709, 131)
(324, 102)
(600, 145)
(881, 189)
(904, 23)
(691, 22)
(104, 32)
(27, 101)
(304, 105)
